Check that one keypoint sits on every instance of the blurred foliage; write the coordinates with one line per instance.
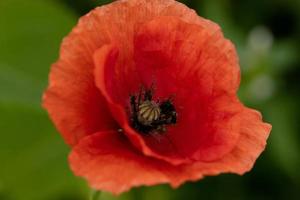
(34, 157)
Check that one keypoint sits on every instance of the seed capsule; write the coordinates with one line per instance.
(148, 112)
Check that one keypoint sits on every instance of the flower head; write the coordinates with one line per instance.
(145, 93)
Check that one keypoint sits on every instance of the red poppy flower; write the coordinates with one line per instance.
(144, 92)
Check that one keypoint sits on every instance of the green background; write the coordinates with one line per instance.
(33, 156)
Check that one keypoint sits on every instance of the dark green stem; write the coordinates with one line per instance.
(95, 195)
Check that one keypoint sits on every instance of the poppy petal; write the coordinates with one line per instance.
(102, 157)
(199, 66)
(251, 143)
(186, 54)
(74, 103)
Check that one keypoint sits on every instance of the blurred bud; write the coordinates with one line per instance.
(262, 87)
(260, 39)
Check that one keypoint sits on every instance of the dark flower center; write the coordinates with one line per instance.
(149, 116)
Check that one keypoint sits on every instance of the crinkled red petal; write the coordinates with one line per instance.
(72, 100)
(199, 67)
(109, 162)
